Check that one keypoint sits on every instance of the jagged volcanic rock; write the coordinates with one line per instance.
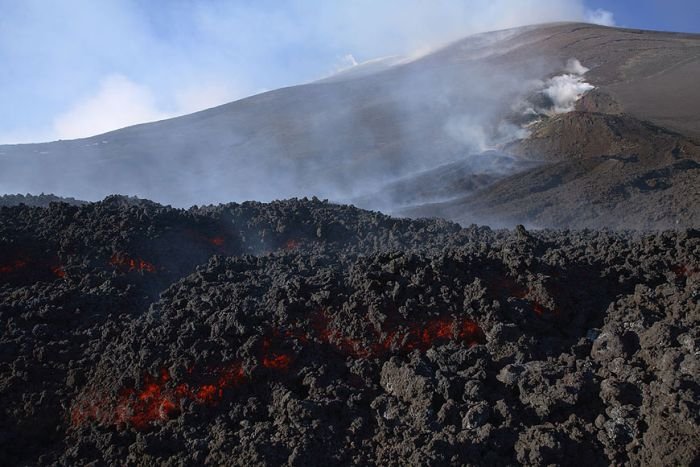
(306, 333)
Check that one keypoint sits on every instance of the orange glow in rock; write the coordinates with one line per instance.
(271, 359)
(32, 269)
(538, 309)
(160, 398)
(277, 362)
(58, 272)
(13, 266)
(157, 401)
(291, 244)
(128, 264)
(217, 241)
(207, 393)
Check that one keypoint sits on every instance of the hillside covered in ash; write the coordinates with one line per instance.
(557, 125)
(306, 333)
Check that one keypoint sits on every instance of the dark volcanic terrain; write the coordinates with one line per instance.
(306, 333)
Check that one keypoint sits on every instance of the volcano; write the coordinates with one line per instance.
(382, 136)
(315, 332)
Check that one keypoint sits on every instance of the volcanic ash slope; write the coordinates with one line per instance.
(486, 129)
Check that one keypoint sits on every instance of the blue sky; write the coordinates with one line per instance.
(661, 15)
(73, 68)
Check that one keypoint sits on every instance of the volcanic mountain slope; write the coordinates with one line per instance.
(619, 160)
(307, 333)
(385, 130)
(618, 173)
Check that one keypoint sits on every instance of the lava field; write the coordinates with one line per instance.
(306, 333)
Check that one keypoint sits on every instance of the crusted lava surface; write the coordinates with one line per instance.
(306, 333)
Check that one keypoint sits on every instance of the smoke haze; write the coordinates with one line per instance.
(66, 61)
(348, 137)
(341, 138)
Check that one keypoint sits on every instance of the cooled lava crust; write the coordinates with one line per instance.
(306, 333)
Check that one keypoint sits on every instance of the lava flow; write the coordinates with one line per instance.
(217, 241)
(274, 359)
(396, 338)
(13, 266)
(28, 269)
(291, 244)
(160, 398)
(433, 332)
(58, 272)
(125, 263)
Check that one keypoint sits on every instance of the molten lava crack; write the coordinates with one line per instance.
(160, 398)
(13, 267)
(127, 264)
(30, 270)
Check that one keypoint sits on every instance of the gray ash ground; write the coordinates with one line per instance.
(306, 333)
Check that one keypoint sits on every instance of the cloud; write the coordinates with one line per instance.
(204, 96)
(26, 136)
(600, 16)
(369, 29)
(118, 102)
(191, 55)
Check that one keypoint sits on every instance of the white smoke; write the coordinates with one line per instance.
(248, 45)
(555, 95)
(564, 90)
(575, 67)
(346, 62)
(469, 131)
(600, 16)
(121, 102)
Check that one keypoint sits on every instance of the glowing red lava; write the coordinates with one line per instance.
(273, 359)
(419, 336)
(291, 244)
(160, 398)
(441, 330)
(325, 334)
(277, 362)
(13, 266)
(131, 264)
(538, 309)
(31, 269)
(217, 241)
